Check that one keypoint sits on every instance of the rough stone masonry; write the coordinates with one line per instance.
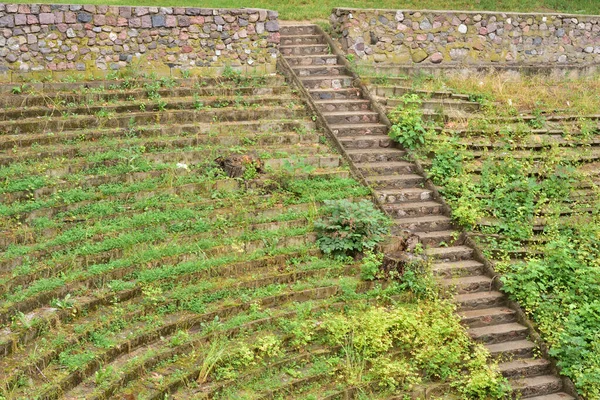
(88, 38)
(435, 37)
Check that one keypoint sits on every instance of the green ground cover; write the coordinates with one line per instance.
(317, 9)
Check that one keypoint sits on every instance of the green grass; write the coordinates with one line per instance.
(320, 9)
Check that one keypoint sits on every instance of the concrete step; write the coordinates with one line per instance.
(499, 333)
(350, 117)
(437, 104)
(349, 130)
(478, 301)
(355, 105)
(287, 40)
(467, 284)
(327, 81)
(376, 155)
(449, 254)
(304, 49)
(312, 59)
(487, 316)
(394, 181)
(436, 239)
(386, 168)
(415, 209)
(424, 224)
(394, 196)
(335, 94)
(553, 396)
(292, 30)
(524, 367)
(457, 268)
(536, 386)
(321, 70)
(398, 91)
(366, 142)
(515, 349)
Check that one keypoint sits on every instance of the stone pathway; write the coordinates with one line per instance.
(415, 209)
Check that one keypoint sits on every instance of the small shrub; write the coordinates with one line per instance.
(408, 127)
(348, 228)
(371, 265)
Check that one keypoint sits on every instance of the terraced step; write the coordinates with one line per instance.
(437, 238)
(536, 385)
(499, 333)
(425, 224)
(479, 301)
(458, 268)
(304, 49)
(444, 104)
(287, 40)
(356, 105)
(393, 196)
(365, 156)
(468, 284)
(487, 316)
(386, 168)
(553, 396)
(320, 70)
(524, 367)
(335, 82)
(449, 254)
(414, 209)
(361, 129)
(394, 181)
(365, 141)
(312, 59)
(292, 30)
(335, 94)
(383, 91)
(349, 117)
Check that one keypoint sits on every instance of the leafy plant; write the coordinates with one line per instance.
(408, 127)
(370, 265)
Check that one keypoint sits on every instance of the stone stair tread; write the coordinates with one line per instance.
(522, 363)
(342, 101)
(412, 204)
(396, 192)
(436, 234)
(313, 77)
(425, 218)
(435, 251)
(302, 45)
(485, 312)
(464, 297)
(455, 264)
(553, 396)
(352, 113)
(495, 329)
(302, 36)
(381, 178)
(358, 126)
(381, 164)
(464, 280)
(508, 346)
(539, 380)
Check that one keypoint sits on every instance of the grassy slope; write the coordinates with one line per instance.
(311, 9)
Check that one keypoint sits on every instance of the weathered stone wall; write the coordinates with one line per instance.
(402, 36)
(88, 38)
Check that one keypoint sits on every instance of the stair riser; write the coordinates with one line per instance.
(335, 83)
(320, 60)
(361, 131)
(353, 118)
(292, 40)
(304, 50)
(348, 94)
(413, 211)
(458, 272)
(324, 70)
(345, 107)
(388, 92)
(512, 355)
(405, 197)
(437, 241)
(458, 255)
(400, 169)
(534, 370)
(472, 287)
(297, 30)
(374, 157)
(502, 337)
(424, 226)
(396, 183)
(539, 390)
(477, 322)
(365, 143)
(434, 106)
(480, 304)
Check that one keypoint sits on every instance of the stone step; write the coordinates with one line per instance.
(327, 81)
(487, 316)
(287, 40)
(437, 104)
(386, 168)
(351, 117)
(366, 142)
(304, 49)
(291, 30)
(515, 349)
(478, 301)
(356, 105)
(425, 223)
(415, 209)
(467, 284)
(394, 196)
(321, 70)
(536, 386)
(398, 91)
(394, 181)
(376, 155)
(457, 268)
(449, 254)
(335, 94)
(499, 333)
(553, 396)
(312, 59)
(435, 239)
(524, 367)
(350, 130)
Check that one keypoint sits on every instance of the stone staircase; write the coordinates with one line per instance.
(415, 209)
